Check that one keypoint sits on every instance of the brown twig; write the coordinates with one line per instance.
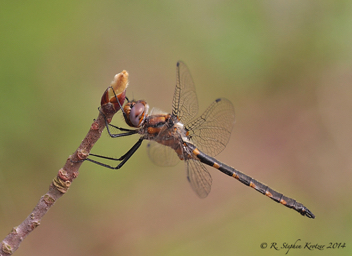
(111, 101)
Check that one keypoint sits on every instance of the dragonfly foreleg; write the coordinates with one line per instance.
(127, 132)
(112, 135)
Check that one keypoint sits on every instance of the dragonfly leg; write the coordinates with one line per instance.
(117, 135)
(127, 132)
(123, 158)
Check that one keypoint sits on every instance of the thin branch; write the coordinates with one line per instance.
(111, 102)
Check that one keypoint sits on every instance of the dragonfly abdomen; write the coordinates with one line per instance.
(249, 181)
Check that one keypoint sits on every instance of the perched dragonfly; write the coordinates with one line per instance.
(182, 136)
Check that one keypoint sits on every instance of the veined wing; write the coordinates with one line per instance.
(199, 177)
(185, 102)
(212, 130)
(162, 155)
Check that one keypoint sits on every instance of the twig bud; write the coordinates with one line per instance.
(114, 96)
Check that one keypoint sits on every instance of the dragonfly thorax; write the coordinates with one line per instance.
(164, 129)
(182, 131)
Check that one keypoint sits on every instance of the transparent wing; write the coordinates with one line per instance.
(199, 177)
(185, 102)
(212, 130)
(162, 155)
(156, 111)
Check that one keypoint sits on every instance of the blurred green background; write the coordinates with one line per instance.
(285, 65)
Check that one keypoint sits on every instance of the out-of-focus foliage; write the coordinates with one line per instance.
(285, 65)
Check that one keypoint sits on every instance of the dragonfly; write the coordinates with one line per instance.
(180, 135)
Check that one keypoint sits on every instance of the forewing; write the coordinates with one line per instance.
(212, 130)
(185, 102)
(199, 177)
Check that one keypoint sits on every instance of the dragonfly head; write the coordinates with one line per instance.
(135, 112)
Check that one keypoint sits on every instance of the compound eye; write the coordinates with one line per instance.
(137, 114)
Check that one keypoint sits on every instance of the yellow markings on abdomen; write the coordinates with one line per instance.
(216, 165)
(267, 193)
(196, 152)
(282, 201)
(251, 184)
(235, 176)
